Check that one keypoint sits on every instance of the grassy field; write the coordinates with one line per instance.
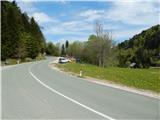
(148, 79)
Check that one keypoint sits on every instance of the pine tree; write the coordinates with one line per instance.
(37, 34)
(63, 50)
(66, 46)
(20, 36)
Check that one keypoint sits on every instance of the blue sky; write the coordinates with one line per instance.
(74, 20)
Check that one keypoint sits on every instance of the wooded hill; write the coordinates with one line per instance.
(143, 49)
(21, 36)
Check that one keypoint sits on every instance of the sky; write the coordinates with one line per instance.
(62, 20)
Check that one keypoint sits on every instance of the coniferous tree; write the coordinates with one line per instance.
(51, 49)
(63, 50)
(66, 46)
(37, 34)
(20, 36)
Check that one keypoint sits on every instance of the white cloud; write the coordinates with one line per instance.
(127, 33)
(33, 11)
(139, 13)
(131, 1)
(91, 15)
(69, 27)
(27, 6)
(42, 17)
(143, 13)
(73, 38)
(134, 12)
(77, 25)
(64, 2)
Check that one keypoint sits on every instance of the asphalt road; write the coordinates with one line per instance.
(35, 91)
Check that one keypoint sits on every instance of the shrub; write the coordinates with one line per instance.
(40, 57)
(28, 59)
(11, 61)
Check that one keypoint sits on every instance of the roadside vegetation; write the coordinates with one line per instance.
(147, 79)
(21, 38)
(142, 49)
(18, 61)
(98, 50)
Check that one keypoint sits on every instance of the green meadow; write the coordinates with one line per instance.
(147, 79)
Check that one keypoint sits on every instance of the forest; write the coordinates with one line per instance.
(21, 36)
(142, 49)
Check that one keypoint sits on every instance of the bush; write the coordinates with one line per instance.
(28, 59)
(11, 61)
(40, 57)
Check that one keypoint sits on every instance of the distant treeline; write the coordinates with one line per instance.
(143, 49)
(98, 50)
(21, 36)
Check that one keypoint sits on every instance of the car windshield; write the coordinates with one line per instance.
(62, 59)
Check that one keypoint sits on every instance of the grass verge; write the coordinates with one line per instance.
(147, 79)
(14, 61)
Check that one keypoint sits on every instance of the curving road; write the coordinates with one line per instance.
(35, 91)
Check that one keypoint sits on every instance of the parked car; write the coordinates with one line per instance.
(63, 60)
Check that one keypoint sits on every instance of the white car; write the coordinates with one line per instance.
(63, 60)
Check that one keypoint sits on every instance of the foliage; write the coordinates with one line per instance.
(143, 49)
(98, 50)
(63, 51)
(28, 59)
(21, 36)
(94, 50)
(75, 49)
(51, 49)
(66, 46)
(40, 57)
(11, 61)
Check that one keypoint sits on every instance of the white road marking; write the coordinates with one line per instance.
(68, 98)
(119, 87)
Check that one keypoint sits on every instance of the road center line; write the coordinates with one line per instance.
(68, 98)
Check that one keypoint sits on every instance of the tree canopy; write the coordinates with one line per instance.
(51, 49)
(142, 49)
(21, 36)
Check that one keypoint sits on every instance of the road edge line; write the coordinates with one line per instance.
(119, 87)
(68, 98)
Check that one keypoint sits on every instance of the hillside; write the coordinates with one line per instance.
(142, 49)
(21, 36)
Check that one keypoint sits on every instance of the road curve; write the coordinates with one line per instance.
(35, 91)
